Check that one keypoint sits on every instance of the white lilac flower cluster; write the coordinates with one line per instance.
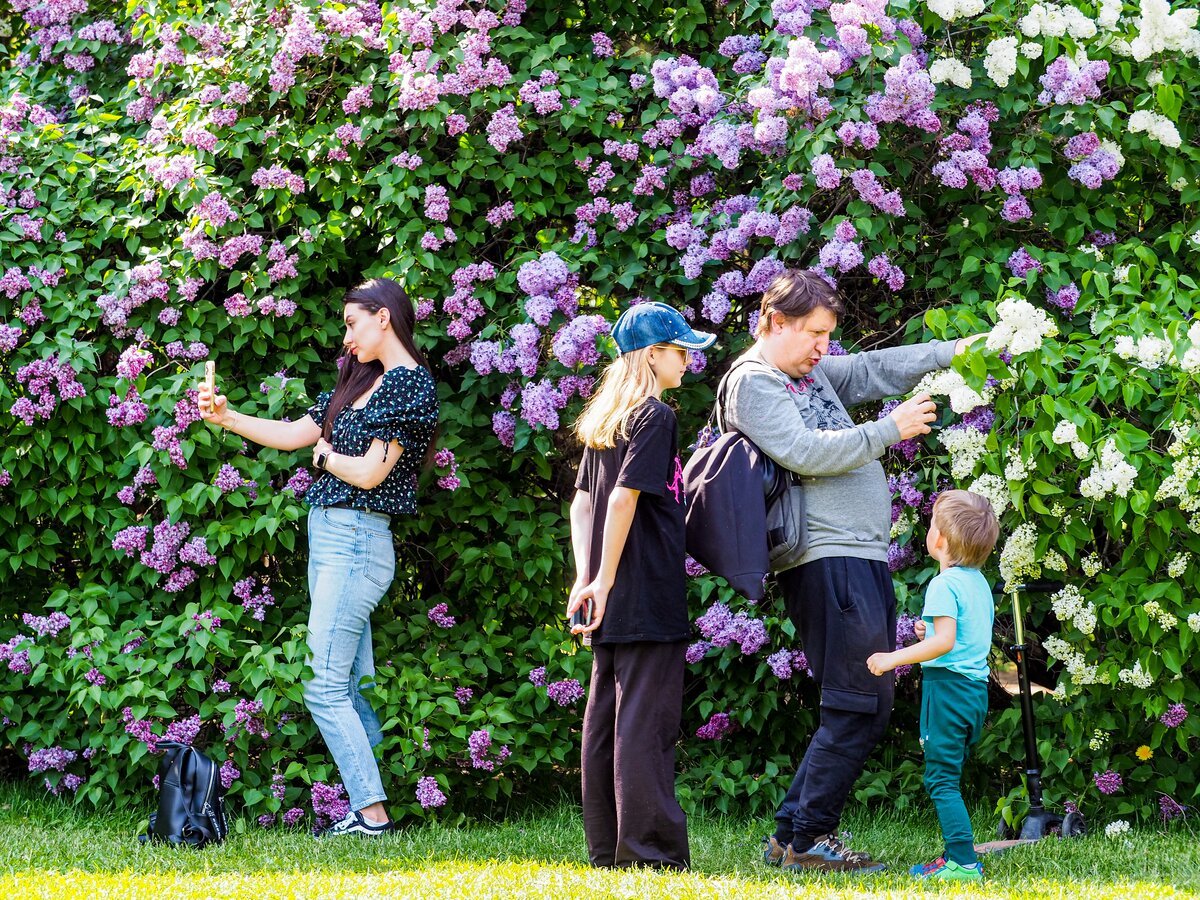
(1137, 676)
(1151, 352)
(948, 383)
(966, 447)
(1184, 470)
(1117, 829)
(904, 523)
(1016, 469)
(1068, 433)
(1052, 20)
(950, 69)
(1018, 558)
(1190, 362)
(1073, 661)
(1091, 565)
(1178, 565)
(1157, 126)
(1000, 61)
(1054, 561)
(1100, 740)
(1111, 474)
(994, 489)
(1069, 606)
(1161, 30)
(1109, 14)
(1153, 609)
(956, 9)
(1193, 622)
(1021, 327)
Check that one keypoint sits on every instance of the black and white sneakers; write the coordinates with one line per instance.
(355, 823)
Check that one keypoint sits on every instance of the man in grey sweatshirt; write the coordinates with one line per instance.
(790, 399)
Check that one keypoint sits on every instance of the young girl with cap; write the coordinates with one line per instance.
(627, 534)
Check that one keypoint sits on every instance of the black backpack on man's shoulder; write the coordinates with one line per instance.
(191, 800)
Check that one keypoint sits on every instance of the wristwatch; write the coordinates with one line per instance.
(321, 457)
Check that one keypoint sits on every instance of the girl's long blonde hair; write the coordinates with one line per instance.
(624, 386)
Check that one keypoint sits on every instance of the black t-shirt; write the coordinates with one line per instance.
(648, 600)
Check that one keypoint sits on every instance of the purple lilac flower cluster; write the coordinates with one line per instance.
(440, 616)
(721, 627)
(565, 692)
(444, 459)
(1067, 84)
(1092, 166)
(51, 759)
(429, 795)
(42, 378)
(1175, 715)
(47, 625)
(183, 731)
(257, 603)
(1107, 782)
(844, 252)
(1021, 263)
(691, 90)
(786, 663)
(248, 717)
(479, 745)
(717, 727)
(16, 659)
(1064, 297)
(169, 554)
(329, 804)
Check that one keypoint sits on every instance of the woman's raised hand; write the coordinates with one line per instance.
(213, 406)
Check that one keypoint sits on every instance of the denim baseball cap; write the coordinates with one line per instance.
(656, 323)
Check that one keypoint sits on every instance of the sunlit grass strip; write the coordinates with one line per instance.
(503, 880)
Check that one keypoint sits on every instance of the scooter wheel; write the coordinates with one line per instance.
(1073, 825)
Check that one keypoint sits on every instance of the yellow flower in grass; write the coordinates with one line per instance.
(1143, 753)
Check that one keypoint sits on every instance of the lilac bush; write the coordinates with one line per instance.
(171, 191)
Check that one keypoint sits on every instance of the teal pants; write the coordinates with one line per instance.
(952, 712)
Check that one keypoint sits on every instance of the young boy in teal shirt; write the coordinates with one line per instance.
(956, 637)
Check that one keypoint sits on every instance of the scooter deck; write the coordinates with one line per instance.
(1002, 846)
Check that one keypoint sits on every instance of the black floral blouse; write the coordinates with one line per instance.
(403, 408)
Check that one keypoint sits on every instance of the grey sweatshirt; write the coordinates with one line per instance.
(804, 427)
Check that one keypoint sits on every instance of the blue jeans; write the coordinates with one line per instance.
(351, 562)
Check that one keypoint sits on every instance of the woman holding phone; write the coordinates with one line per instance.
(369, 436)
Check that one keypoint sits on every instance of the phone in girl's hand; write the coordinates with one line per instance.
(583, 615)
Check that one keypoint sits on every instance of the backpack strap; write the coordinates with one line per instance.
(717, 417)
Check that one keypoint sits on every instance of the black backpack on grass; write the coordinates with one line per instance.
(191, 800)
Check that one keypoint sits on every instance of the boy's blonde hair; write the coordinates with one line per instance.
(969, 524)
(624, 386)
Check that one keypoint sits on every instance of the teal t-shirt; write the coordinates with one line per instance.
(964, 595)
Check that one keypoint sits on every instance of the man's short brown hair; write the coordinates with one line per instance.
(969, 524)
(796, 293)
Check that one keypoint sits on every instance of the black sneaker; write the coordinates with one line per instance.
(355, 823)
(829, 854)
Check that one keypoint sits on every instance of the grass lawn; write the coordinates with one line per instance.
(48, 849)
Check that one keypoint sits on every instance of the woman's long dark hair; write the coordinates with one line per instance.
(355, 378)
